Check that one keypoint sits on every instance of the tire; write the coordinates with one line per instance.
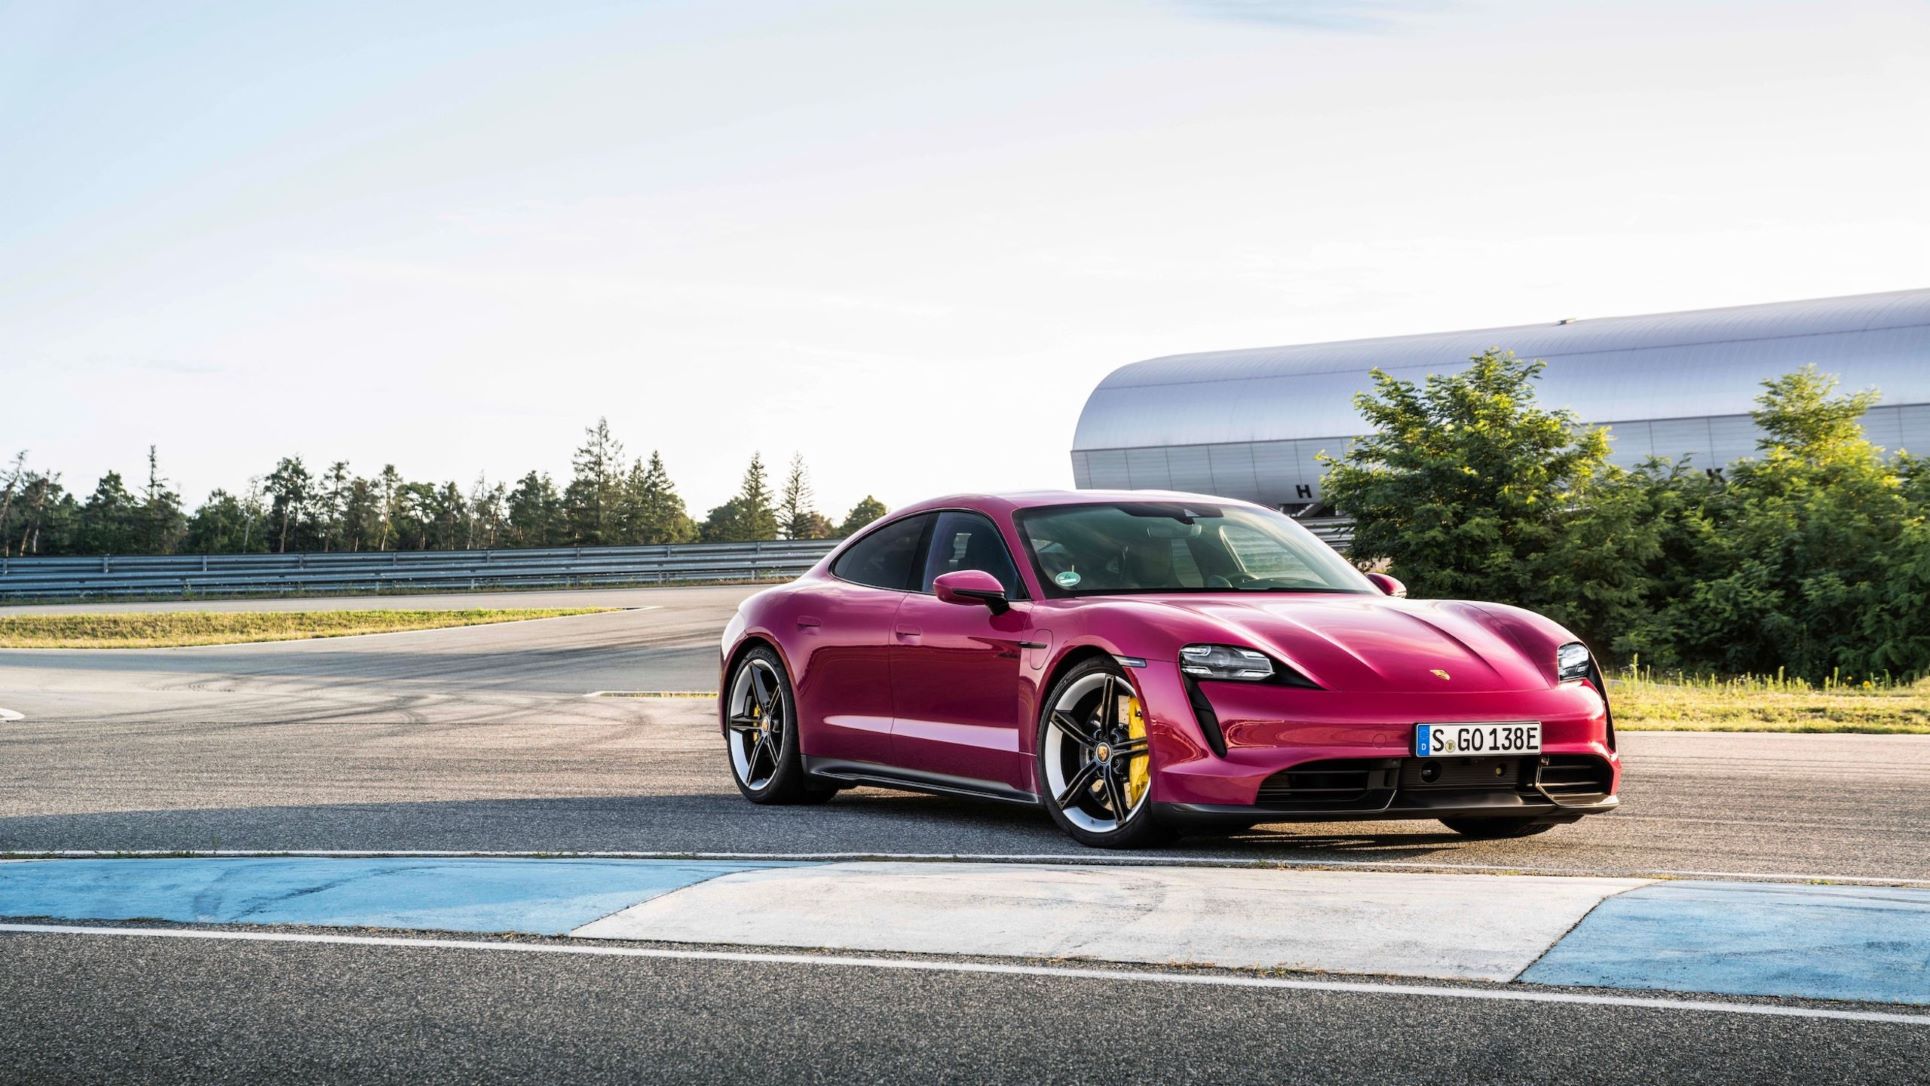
(761, 735)
(1497, 829)
(1094, 761)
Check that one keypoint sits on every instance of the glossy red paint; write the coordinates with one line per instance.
(941, 690)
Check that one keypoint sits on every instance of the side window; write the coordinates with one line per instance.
(969, 541)
(883, 559)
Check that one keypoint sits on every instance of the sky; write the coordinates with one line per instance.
(901, 239)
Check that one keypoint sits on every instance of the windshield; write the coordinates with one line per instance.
(1113, 547)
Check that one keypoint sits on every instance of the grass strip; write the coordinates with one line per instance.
(174, 629)
(1644, 701)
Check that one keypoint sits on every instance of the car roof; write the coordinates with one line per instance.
(1009, 501)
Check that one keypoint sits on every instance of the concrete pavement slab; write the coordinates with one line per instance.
(1472, 927)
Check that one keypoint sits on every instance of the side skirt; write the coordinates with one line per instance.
(847, 772)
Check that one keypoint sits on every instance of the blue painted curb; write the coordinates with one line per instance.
(1816, 942)
(535, 897)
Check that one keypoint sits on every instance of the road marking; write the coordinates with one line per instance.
(1004, 858)
(9, 714)
(651, 694)
(1504, 995)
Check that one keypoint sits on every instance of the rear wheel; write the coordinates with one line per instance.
(1495, 829)
(760, 733)
(1095, 761)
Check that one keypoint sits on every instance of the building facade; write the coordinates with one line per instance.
(1248, 424)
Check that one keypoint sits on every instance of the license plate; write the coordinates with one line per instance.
(1477, 740)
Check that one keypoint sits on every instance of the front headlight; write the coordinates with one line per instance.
(1572, 662)
(1225, 662)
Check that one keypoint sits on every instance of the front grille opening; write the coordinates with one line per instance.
(1337, 781)
(1564, 775)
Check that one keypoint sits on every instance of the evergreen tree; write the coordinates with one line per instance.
(795, 517)
(331, 507)
(392, 501)
(594, 495)
(109, 519)
(660, 516)
(225, 524)
(162, 522)
(11, 489)
(756, 509)
(535, 512)
(291, 490)
(488, 517)
(362, 516)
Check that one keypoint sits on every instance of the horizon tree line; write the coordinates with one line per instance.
(609, 500)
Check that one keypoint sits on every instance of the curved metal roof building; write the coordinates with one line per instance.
(1248, 424)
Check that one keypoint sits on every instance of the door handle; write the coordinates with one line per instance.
(909, 633)
(805, 622)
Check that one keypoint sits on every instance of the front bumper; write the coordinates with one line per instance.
(1262, 752)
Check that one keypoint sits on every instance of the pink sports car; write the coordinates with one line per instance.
(1141, 662)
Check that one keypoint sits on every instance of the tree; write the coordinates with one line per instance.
(162, 524)
(595, 491)
(535, 512)
(447, 514)
(42, 516)
(795, 517)
(1810, 560)
(723, 524)
(225, 524)
(488, 517)
(1467, 489)
(655, 512)
(392, 503)
(291, 490)
(867, 510)
(756, 511)
(362, 516)
(109, 519)
(10, 490)
(331, 507)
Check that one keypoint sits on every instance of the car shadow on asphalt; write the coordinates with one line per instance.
(864, 821)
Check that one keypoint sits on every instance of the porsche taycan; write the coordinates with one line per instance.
(1145, 663)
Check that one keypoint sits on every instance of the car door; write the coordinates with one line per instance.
(955, 669)
(844, 683)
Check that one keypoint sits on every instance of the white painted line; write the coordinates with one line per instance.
(1209, 980)
(651, 694)
(9, 714)
(1069, 858)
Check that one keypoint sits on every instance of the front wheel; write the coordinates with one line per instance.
(760, 730)
(1497, 829)
(1094, 759)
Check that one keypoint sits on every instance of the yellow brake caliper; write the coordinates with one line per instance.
(1139, 771)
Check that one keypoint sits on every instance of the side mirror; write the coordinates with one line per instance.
(1388, 585)
(970, 587)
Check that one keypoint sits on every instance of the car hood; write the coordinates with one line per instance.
(1360, 642)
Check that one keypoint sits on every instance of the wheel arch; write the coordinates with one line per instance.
(745, 645)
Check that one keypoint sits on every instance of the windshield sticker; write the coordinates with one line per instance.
(1066, 579)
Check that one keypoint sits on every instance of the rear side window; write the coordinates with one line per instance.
(969, 541)
(884, 558)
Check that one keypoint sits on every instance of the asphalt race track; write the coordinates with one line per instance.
(483, 739)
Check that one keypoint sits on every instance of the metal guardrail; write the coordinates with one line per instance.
(197, 575)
